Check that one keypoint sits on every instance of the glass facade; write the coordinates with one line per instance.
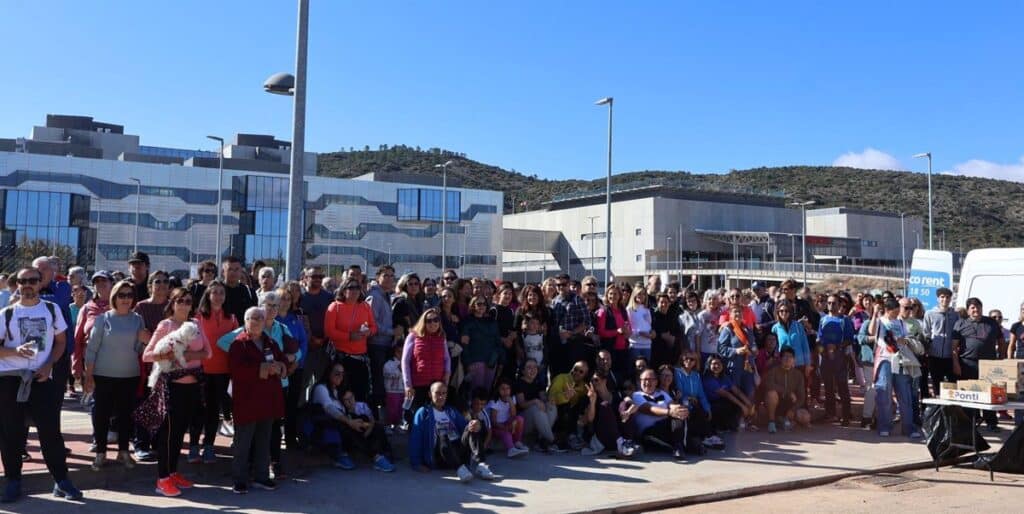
(266, 203)
(46, 221)
(427, 205)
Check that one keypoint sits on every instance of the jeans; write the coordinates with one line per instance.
(252, 441)
(902, 385)
(43, 409)
(869, 392)
(834, 373)
(541, 419)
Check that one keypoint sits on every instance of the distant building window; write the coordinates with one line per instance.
(638, 256)
(595, 235)
(427, 205)
(638, 232)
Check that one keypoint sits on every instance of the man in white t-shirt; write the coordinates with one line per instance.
(658, 420)
(33, 336)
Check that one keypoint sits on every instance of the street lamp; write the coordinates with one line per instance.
(803, 223)
(929, 156)
(608, 194)
(592, 218)
(138, 196)
(220, 190)
(295, 86)
(903, 250)
(444, 213)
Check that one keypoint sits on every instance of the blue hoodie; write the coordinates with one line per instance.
(691, 384)
(423, 436)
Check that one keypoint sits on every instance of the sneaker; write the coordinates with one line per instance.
(240, 488)
(227, 429)
(864, 422)
(514, 452)
(844, 422)
(98, 461)
(787, 425)
(464, 474)
(126, 460)
(594, 448)
(915, 435)
(678, 455)
(344, 462)
(266, 484)
(11, 492)
(544, 446)
(625, 447)
(65, 489)
(180, 481)
(193, 455)
(381, 463)
(556, 448)
(209, 456)
(92, 449)
(484, 471)
(576, 443)
(657, 441)
(144, 456)
(743, 425)
(883, 434)
(771, 427)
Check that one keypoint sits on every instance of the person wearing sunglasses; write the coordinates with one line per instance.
(31, 349)
(481, 345)
(138, 264)
(567, 392)
(835, 335)
(349, 323)
(425, 359)
(207, 271)
(152, 310)
(112, 372)
(100, 303)
(572, 320)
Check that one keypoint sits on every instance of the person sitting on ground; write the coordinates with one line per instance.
(784, 394)
(658, 420)
(360, 432)
(567, 392)
(728, 403)
(539, 414)
(325, 427)
(690, 390)
(601, 420)
(442, 438)
(506, 423)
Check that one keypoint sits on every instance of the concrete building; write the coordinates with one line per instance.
(667, 229)
(70, 187)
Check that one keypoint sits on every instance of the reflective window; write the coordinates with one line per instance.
(40, 217)
(408, 204)
(427, 205)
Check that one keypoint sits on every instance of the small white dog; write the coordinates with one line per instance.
(176, 342)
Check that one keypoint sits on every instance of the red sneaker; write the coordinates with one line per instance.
(180, 482)
(166, 487)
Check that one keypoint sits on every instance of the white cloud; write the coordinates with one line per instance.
(869, 159)
(989, 169)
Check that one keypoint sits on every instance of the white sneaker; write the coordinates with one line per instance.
(522, 446)
(594, 448)
(625, 447)
(464, 474)
(515, 452)
(227, 429)
(484, 471)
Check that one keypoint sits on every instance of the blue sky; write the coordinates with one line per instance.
(703, 87)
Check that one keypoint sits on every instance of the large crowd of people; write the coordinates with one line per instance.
(460, 367)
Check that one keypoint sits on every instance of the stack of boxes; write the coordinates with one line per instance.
(998, 380)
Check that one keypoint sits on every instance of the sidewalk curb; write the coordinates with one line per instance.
(730, 494)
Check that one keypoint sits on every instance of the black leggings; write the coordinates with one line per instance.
(725, 415)
(467, 451)
(376, 443)
(357, 376)
(114, 397)
(214, 391)
(183, 406)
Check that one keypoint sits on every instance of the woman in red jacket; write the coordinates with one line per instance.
(348, 324)
(425, 358)
(257, 365)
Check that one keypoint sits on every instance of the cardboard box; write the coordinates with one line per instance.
(978, 392)
(1010, 371)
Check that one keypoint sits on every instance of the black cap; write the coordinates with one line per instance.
(139, 257)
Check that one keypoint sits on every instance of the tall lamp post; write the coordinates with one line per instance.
(444, 213)
(138, 196)
(592, 218)
(803, 230)
(609, 101)
(929, 156)
(903, 251)
(220, 191)
(295, 86)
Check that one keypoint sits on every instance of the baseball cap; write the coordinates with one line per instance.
(102, 274)
(757, 285)
(139, 257)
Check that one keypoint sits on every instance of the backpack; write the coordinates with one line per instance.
(9, 315)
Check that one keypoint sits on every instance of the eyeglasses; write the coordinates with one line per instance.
(125, 296)
(353, 288)
(433, 320)
(161, 281)
(28, 281)
(562, 284)
(449, 277)
(179, 301)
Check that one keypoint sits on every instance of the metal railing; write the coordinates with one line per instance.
(793, 268)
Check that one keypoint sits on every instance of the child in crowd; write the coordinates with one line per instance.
(363, 434)
(478, 411)
(533, 344)
(394, 390)
(507, 425)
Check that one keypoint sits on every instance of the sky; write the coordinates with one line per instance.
(698, 86)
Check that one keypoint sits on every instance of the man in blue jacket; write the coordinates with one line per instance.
(441, 438)
(835, 334)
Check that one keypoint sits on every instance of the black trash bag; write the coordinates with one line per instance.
(939, 437)
(1010, 458)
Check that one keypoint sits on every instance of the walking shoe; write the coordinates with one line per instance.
(180, 482)
(11, 492)
(844, 422)
(344, 462)
(144, 455)
(594, 448)
(544, 446)
(743, 425)
(576, 443)
(381, 463)
(193, 455)
(464, 474)
(557, 448)
(266, 484)
(883, 434)
(787, 425)
(98, 461)
(227, 429)
(92, 449)
(678, 455)
(771, 427)
(994, 428)
(126, 460)
(25, 457)
(209, 456)
(166, 487)
(65, 489)
(514, 452)
(625, 447)
(240, 488)
(522, 446)
(864, 422)
(484, 471)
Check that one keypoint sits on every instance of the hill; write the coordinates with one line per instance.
(971, 212)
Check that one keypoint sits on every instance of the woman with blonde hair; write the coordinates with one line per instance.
(425, 358)
(641, 330)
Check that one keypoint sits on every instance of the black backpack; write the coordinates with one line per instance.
(9, 315)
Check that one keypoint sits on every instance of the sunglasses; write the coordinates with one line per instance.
(27, 281)
(208, 270)
(353, 288)
(562, 284)
(433, 320)
(180, 301)
(577, 371)
(160, 281)
(125, 296)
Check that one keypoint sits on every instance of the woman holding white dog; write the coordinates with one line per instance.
(112, 371)
(180, 389)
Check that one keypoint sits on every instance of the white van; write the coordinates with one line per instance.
(996, 277)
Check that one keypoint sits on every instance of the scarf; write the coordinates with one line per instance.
(737, 330)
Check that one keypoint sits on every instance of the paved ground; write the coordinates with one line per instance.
(949, 490)
(535, 483)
